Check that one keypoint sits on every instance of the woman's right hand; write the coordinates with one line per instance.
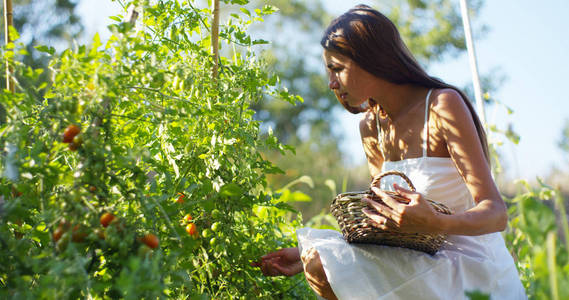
(284, 262)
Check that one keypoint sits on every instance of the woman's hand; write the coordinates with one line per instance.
(284, 262)
(415, 217)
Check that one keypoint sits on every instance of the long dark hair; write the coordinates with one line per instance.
(371, 40)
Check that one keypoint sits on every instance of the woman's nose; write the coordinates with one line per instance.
(333, 84)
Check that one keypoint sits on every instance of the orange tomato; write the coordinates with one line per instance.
(106, 219)
(150, 240)
(187, 218)
(192, 230)
(70, 132)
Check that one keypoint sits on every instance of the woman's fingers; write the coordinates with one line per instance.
(411, 195)
(388, 200)
(383, 209)
(379, 221)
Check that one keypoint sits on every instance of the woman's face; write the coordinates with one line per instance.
(347, 80)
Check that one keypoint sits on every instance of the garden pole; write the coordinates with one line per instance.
(215, 38)
(473, 62)
(7, 23)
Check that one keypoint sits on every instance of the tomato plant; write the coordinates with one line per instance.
(150, 121)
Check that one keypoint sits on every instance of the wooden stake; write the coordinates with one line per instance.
(7, 23)
(215, 38)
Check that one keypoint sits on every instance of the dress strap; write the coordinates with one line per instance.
(426, 126)
(379, 133)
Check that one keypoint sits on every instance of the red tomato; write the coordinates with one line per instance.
(150, 240)
(106, 219)
(70, 132)
(180, 198)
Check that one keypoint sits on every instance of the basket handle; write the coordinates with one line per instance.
(376, 180)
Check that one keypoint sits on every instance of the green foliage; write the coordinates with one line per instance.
(537, 238)
(159, 139)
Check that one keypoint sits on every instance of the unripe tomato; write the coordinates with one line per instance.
(106, 219)
(215, 226)
(150, 240)
(216, 214)
(92, 189)
(76, 143)
(192, 230)
(207, 233)
(70, 132)
(213, 241)
(180, 198)
(144, 252)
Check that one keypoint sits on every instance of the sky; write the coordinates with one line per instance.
(527, 43)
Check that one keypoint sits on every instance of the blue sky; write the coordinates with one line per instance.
(527, 42)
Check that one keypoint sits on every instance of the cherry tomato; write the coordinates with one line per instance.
(215, 226)
(192, 230)
(106, 219)
(180, 198)
(187, 218)
(92, 189)
(76, 143)
(207, 233)
(70, 132)
(216, 214)
(100, 233)
(150, 240)
(144, 252)
(78, 234)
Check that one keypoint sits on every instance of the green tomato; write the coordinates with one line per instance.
(213, 241)
(207, 233)
(144, 252)
(216, 214)
(215, 227)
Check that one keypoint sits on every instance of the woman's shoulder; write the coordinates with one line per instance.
(368, 123)
(447, 101)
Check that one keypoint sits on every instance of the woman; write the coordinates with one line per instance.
(418, 125)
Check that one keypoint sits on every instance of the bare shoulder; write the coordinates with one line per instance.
(368, 125)
(449, 103)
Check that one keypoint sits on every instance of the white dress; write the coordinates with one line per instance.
(464, 263)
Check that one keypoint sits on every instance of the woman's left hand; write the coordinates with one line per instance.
(418, 216)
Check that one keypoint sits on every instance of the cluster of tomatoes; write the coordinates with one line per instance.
(111, 233)
(72, 136)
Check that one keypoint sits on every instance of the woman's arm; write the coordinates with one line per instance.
(368, 133)
(456, 125)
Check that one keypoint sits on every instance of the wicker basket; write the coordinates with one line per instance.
(356, 226)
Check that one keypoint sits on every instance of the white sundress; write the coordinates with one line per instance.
(465, 263)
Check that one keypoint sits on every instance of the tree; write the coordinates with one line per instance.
(50, 22)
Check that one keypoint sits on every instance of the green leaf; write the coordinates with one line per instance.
(230, 190)
(45, 49)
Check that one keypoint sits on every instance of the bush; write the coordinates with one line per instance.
(162, 192)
